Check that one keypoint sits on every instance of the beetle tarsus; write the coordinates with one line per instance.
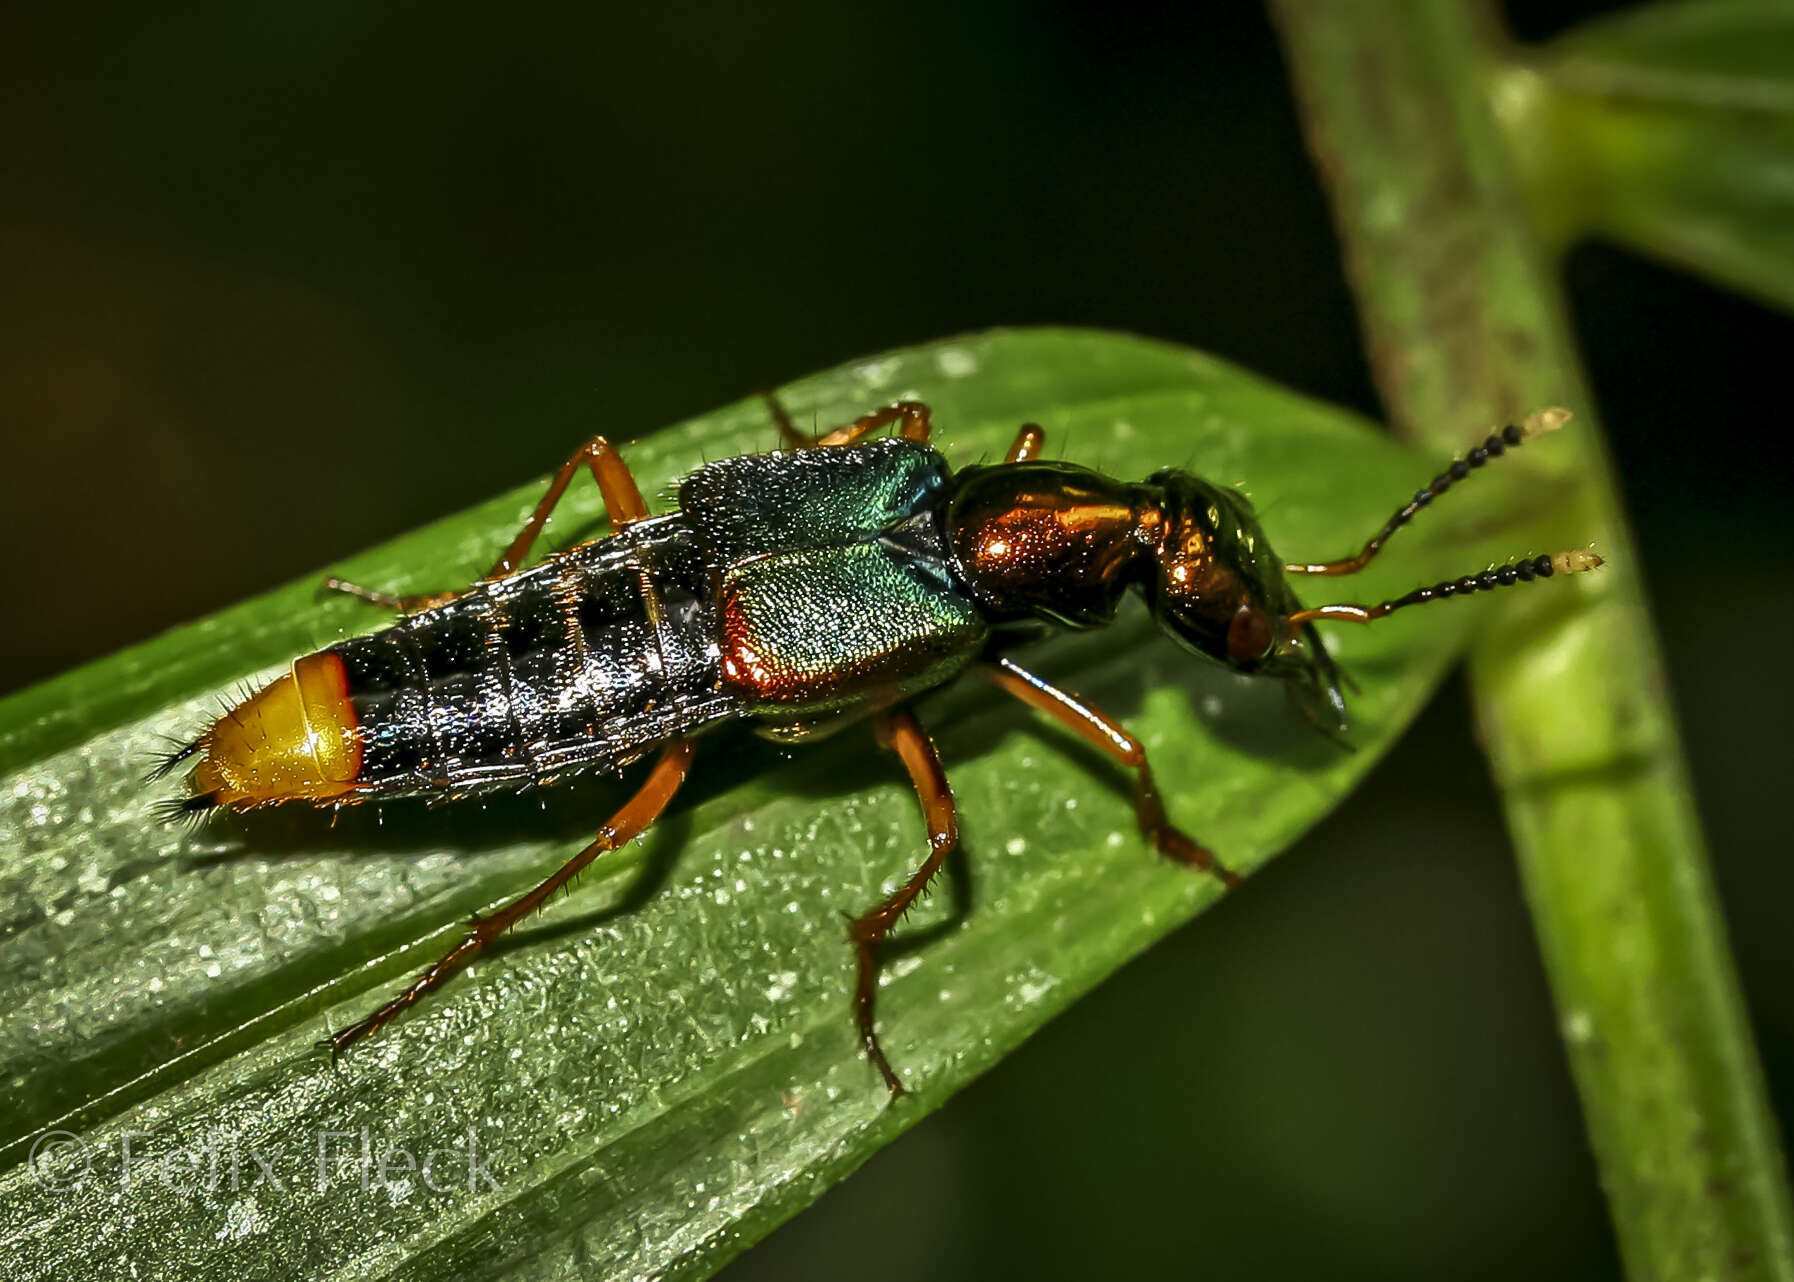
(637, 815)
(899, 731)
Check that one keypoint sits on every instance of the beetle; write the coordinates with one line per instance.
(799, 590)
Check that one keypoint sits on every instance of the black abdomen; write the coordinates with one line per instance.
(574, 663)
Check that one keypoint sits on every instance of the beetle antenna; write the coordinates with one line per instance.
(1539, 567)
(1494, 446)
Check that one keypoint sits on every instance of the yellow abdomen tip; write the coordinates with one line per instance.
(295, 740)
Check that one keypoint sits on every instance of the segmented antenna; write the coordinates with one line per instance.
(1494, 446)
(1539, 567)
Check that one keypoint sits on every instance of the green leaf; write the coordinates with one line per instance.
(663, 1067)
(1668, 128)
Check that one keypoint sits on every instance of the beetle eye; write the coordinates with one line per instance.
(1249, 635)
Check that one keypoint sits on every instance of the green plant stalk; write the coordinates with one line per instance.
(1465, 328)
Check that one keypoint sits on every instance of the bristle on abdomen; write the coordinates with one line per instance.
(296, 739)
(167, 761)
(182, 809)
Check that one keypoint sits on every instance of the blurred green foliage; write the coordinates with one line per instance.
(1668, 128)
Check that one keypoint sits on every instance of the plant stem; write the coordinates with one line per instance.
(1465, 327)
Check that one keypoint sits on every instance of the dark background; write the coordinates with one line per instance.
(276, 285)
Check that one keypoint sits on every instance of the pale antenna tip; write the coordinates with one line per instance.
(1545, 420)
(1576, 561)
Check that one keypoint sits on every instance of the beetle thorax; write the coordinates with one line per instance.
(1052, 540)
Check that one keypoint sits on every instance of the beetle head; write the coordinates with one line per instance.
(1220, 590)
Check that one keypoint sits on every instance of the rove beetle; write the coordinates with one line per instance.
(800, 590)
